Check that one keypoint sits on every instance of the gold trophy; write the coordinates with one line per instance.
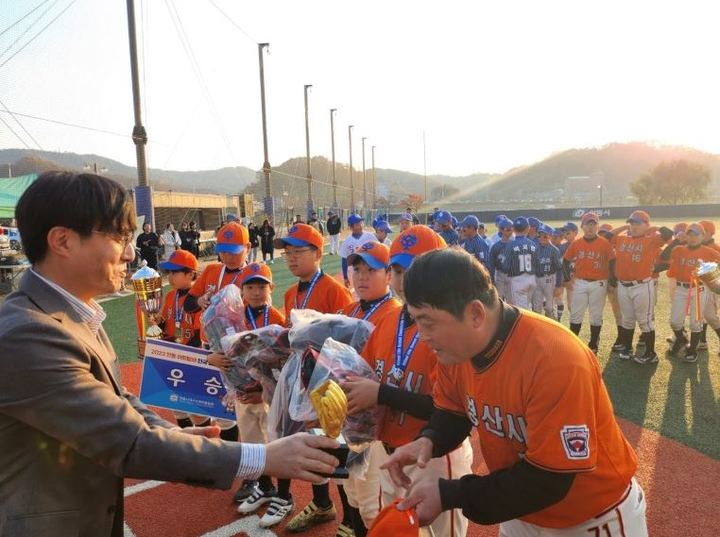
(147, 284)
(330, 404)
(709, 274)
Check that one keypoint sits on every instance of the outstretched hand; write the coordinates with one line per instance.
(300, 456)
(418, 452)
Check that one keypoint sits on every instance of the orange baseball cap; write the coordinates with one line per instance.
(680, 228)
(638, 217)
(589, 217)
(301, 235)
(393, 522)
(413, 242)
(232, 238)
(606, 227)
(179, 260)
(695, 229)
(375, 254)
(708, 226)
(256, 271)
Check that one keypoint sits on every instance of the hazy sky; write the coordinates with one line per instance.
(493, 84)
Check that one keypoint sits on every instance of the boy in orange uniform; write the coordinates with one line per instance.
(176, 324)
(559, 463)
(318, 291)
(690, 295)
(406, 369)
(371, 281)
(710, 313)
(594, 261)
(233, 245)
(256, 285)
(635, 255)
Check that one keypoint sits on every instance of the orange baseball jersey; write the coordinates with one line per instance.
(172, 313)
(327, 296)
(591, 258)
(684, 260)
(635, 257)
(260, 317)
(399, 428)
(215, 277)
(712, 244)
(375, 312)
(548, 406)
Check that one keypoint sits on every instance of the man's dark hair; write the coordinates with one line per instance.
(82, 202)
(448, 280)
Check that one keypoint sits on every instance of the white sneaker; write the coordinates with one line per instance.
(277, 511)
(257, 499)
(272, 261)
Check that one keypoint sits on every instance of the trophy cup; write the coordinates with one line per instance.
(709, 274)
(330, 403)
(147, 284)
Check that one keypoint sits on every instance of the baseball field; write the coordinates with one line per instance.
(670, 412)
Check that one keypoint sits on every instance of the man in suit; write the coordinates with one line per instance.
(69, 431)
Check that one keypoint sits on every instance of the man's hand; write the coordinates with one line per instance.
(361, 393)
(426, 501)
(210, 431)
(299, 457)
(204, 300)
(418, 452)
(219, 360)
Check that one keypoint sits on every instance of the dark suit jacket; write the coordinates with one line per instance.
(69, 432)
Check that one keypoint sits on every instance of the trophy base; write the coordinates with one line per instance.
(341, 453)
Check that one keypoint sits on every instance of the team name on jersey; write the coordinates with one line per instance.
(589, 254)
(495, 421)
(630, 247)
(411, 382)
(524, 248)
(688, 261)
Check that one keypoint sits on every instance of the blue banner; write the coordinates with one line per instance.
(177, 377)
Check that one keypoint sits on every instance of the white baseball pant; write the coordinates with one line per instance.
(626, 519)
(710, 311)
(502, 284)
(543, 297)
(334, 244)
(252, 422)
(452, 466)
(586, 295)
(363, 491)
(522, 288)
(684, 304)
(637, 303)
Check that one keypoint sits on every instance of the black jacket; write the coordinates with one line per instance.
(333, 225)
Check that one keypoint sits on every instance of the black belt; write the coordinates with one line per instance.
(388, 448)
(632, 283)
(686, 285)
(589, 280)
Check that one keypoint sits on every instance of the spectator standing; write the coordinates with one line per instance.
(186, 237)
(267, 234)
(254, 241)
(170, 241)
(334, 225)
(195, 241)
(317, 224)
(148, 243)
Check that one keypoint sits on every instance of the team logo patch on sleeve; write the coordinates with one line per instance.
(576, 441)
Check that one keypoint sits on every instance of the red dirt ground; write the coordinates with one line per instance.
(678, 482)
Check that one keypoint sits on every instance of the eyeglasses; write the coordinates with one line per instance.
(123, 239)
(297, 252)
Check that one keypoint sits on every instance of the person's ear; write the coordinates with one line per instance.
(318, 254)
(62, 241)
(476, 312)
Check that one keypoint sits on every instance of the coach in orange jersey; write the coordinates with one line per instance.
(559, 463)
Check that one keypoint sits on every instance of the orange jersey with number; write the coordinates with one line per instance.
(189, 322)
(684, 260)
(591, 258)
(537, 394)
(398, 428)
(355, 310)
(209, 280)
(635, 257)
(274, 317)
(328, 296)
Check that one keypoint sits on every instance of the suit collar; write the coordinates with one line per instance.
(56, 306)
